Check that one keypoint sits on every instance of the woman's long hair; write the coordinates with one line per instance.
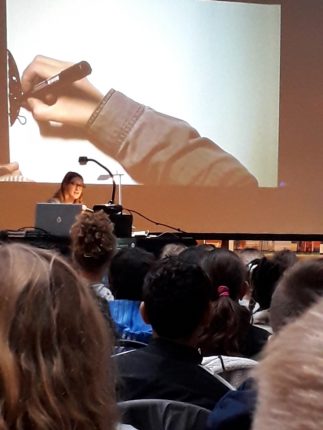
(55, 370)
(229, 321)
(60, 193)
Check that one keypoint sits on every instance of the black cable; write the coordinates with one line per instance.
(222, 363)
(155, 222)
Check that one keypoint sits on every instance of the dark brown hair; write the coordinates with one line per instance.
(229, 322)
(55, 346)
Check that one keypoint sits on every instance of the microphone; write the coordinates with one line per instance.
(111, 207)
(65, 77)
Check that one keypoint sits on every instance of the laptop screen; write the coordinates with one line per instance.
(56, 218)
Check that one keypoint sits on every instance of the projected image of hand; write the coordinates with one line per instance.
(9, 172)
(71, 104)
(153, 148)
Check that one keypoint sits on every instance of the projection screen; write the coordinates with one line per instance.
(225, 68)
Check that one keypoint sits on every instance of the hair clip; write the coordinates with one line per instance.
(223, 291)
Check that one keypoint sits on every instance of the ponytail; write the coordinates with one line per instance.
(229, 323)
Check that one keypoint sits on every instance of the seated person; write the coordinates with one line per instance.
(289, 378)
(92, 247)
(55, 347)
(127, 272)
(172, 249)
(230, 331)
(176, 302)
(195, 254)
(264, 279)
(70, 190)
(249, 256)
(299, 288)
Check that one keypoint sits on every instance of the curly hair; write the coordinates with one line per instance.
(93, 242)
(55, 346)
(176, 296)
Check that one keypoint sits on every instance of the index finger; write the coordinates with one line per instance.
(39, 69)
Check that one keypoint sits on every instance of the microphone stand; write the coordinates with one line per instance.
(111, 207)
(122, 222)
(119, 175)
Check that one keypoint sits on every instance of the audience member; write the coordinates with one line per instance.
(93, 245)
(284, 258)
(249, 256)
(195, 254)
(55, 368)
(172, 249)
(176, 302)
(70, 190)
(230, 331)
(264, 278)
(126, 275)
(289, 378)
(300, 287)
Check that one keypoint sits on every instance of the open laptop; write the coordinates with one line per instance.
(56, 218)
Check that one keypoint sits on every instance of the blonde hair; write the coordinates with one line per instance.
(55, 347)
(289, 378)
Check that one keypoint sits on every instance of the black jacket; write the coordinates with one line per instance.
(167, 370)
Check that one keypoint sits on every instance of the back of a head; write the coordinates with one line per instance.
(298, 289)
(93, 242)
(285, 258)
(229, 321)
(127, 272)
(55, 347)
(176, 296)
(289, 377)
(266, 274)
(225, 268)
(195, 254)
(263, 277)
(249, 254)
(172, 249)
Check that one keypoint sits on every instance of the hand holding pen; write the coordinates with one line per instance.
(59, 81)
(57, 91)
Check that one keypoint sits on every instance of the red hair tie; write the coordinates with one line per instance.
(223, 291)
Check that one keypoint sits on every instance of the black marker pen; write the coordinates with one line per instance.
(65, 77)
